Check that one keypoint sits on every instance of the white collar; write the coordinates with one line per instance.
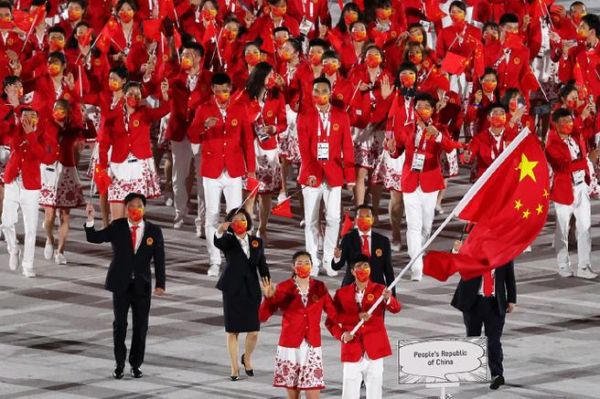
(140, 226)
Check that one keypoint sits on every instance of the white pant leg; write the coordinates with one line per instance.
(352, 379)
(212, 195)
(332, 197)
(373, 376)
(30, 208)
(561, 234)
(199, 187)
(414, 227)
(428, 202)
(312, 200)
(232, 190)
(182, 156)
(10, 216)
(583, 224)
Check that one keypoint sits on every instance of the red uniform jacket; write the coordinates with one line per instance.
(372, 337)
(447, 41)
(484, 151)
(26, 155)
(63, 142)
(299, 322)
(272, 114)
(340, 165)
(516, 72)
(589, 64)
(559, 157)
(227, 145)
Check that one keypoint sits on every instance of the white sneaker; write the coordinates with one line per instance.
(416, 276)
(281, 197)
(28, 273)
(169, 202)
(565, 271)
(13, 261)
(302, 223)
(396, 246)
(59, 258)
(439, 210)
(178, 221)
(48, 250)
(199, 232)
(213, 271)
(329, 270)
(586, 273)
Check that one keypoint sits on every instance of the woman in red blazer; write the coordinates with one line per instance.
(302, 299)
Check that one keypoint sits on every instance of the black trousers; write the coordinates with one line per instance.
(485, 313)
(140, 310)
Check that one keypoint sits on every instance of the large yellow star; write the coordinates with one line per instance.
(518, 205)
(526, 167)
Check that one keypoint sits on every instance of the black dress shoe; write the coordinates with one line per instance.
(136, 372)
(496, 382)
(249, 372)
(234, 377)
(118, 373)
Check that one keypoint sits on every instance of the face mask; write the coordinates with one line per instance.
(359, 36)
(350, 18)
(302, 271)
(408, 80)
(425, 113)
(74, 15)
(54, 69)
(229, 35)
(571, 104)
(280, 40)
(512, 39)
(315, 58)
(34, 121)
(415, 58)
(383, 13)
(279, 11)
(135, 214)
(126, 16)
(20, 92)
(85, 39)
(373, 60)
(458, 18)
(513, 105)
(362, 274)
(59, 114)
(222, 98)
(321, 100)
(577, 18)
(565, 128)
(581, 34)
(114, 85)
(187, 63)
(364, 223)
(498, 120)
(239, 226)
(56, 44)
(489, 87)
(490, 37)
(271, 82)
(209, 15)
(416, 37)
(285, 55)
(132, 101)
(331, 68)
(252, 59)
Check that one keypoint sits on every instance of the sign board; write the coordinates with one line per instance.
(442, 361)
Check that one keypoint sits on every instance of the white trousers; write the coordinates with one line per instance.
(15, 197)
(213, 188)
(420, 210)
(183, 152)
(583, 214)
(371, 371)
(332, 198)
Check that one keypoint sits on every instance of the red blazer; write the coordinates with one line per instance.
(430, 179)
(559, 157)
(227, 145)
(447, 41)
(299, 322)
(340, 165)
(372, 337)
(62, 142)
(135, 140)
(367, 101)
(26, 155)
(273, 114)
(517, 72)
(589, 63)
(481, 148)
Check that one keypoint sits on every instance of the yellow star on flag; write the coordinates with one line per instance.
(526, 214)
(546, 194)
(518, 205)
(539, 209)
(526, 167)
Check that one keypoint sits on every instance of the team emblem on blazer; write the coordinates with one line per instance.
(394, 33)
(315, 298)
(234, 122)
(336, 126)
(426, 64)
(254, 244)
(97, 62)
(517, 61)
(269, 114)
(340, 96)
(136, 123)
(370, 297)
(149, 241)
(67, 96)
(10, 42)
(378, 252)
(139, 38)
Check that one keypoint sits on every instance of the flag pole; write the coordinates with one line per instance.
(461, 205)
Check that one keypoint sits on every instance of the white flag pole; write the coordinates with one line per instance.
(461, 205)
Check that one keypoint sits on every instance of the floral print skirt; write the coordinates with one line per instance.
(299, 368)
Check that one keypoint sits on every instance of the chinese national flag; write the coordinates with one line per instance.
(268, 44)
(152, 29)
(209, 33)
(478, 59)
(508, 211)
(454, 64)
(109, 30)
(252, 185)
(347, 225)
(283, 209)
(433, 11)
(166, 8)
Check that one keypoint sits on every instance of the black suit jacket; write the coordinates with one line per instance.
(380, 260)
(467, 292)
(124, 262)
(241, 270)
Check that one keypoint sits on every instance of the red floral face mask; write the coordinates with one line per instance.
(364, 223)
(239, 226)
(135, 214)
(302, 271)
(498, 120)
(362, 274)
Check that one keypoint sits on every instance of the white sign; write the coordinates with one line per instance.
(444, 360)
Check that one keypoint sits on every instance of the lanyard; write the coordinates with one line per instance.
(311, 8)
(223, 112)
(324, 124)
(497, 146)
(420, 142)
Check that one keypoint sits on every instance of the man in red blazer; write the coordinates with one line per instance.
(22, 184)
(222, 128)
(567, 154)
(362, 355)
(423, 143)
(327, 162)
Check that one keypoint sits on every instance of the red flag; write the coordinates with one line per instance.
(22, 20)
(252, 186)
(166, 8)
(102, 180)
(509, 211)
(86, 39)
(347, 225)
(283, 209)
(341, 4)
(109, 30)
(454, 64)
(433, 11)
(152, 28)
(529, 82)
(7, 25)
(209, 33)
(478, 59)
(335, 40)
(268, 45)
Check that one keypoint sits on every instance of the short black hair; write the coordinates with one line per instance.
(57, 55)
(82, 3)
(425, 97)
(220, 78)
(120, 70)
(197, 47)
(360, 258)
(301, 253)
(57, 29)
(560, 113)
(6, 4)
(494, 106)
(330, 54)
(132, 83)
(489, 71)
(593, 21)
(458, 4)
(407, 66)
(322, 80)
(363, 206)
(508, 18)
(231, 214)
(490, 24)
(281, 29)
(121, 3)
(131, 196)
(565, 90)
(319, 43)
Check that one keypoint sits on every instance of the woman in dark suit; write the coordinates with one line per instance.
(240, 285)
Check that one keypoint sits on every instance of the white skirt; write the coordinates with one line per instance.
(299, 368)
(289, 147)
(368, 145)
(61, 187)
(389, 171)
(133, 176)
(268, 170)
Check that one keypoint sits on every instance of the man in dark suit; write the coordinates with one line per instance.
(363, 240)
(484, 301)
(135, 242)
